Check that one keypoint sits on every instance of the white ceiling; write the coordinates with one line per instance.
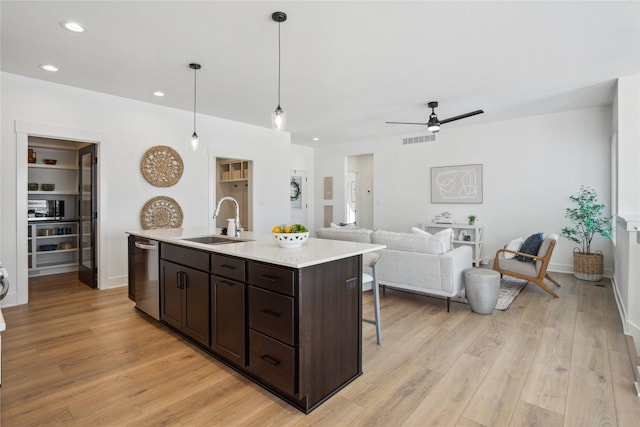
(347, 67)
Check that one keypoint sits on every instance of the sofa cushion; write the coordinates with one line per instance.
(360, 235)
(530, 246)
(410, 242)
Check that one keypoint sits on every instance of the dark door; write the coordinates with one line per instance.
(87, 213)
(227, 319)
(196, 305)
(171, 284)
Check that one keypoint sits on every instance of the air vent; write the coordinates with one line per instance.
(418, 139)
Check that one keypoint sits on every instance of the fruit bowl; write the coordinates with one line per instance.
(290, 240)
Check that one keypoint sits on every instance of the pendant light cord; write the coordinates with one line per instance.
(278, 64)
(195, 94)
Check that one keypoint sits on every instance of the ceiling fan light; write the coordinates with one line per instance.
(434, 124)
(278, 118)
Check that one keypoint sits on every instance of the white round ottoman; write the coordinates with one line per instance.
(481, 289)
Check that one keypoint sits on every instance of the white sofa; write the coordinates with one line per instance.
(412, 262)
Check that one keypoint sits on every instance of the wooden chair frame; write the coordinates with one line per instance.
(539, 279)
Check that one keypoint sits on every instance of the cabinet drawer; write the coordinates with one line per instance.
(272, 361)
(272, 277)
(185, 256)
(229, 267)
(271, 314)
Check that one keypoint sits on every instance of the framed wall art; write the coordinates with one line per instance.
(456, 184)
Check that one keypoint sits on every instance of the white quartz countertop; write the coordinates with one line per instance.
(3, 325)
(262, 247)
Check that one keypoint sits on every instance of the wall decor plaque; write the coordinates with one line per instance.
(456, 184)
(162, 166)
(161, 212)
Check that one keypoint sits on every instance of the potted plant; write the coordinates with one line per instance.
(587, 221)
(472, 219)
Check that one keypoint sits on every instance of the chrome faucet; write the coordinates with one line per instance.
(235, 202)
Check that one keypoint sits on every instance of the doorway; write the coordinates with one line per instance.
(61, 209)
(233, 177)
(359, 190)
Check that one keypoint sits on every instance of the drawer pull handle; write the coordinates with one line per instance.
(270, 360)
(269, 278)
(227, 266)
(181, 280)
(228, 283)
(270, 314)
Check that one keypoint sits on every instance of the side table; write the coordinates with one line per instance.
(482, 287)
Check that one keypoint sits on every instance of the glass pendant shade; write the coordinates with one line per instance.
(194, 141)
(278, 118)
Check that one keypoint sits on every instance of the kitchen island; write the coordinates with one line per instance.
(289, 319)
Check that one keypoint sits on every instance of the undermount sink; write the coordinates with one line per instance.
(214, 240)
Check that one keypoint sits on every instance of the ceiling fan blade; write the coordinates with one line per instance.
(462, 116)
(406, 123)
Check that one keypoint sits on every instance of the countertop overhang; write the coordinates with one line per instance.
(262, 247)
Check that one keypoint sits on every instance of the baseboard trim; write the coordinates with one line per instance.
(566, 268)
(635, 362)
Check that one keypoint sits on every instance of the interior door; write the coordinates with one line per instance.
(87, 269)
(351, 195)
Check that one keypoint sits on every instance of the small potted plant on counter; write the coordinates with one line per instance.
(472, 219)
(587, 221)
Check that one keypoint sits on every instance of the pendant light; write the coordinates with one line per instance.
(278, 117)
(194, 138)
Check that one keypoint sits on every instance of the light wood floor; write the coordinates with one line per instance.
(76, 356)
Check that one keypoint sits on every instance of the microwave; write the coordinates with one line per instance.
(45, 210)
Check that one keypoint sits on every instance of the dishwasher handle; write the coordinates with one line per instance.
(145, 246)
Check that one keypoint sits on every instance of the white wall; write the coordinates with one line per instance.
(302, 160)
(128, 128)
(530, 168)
(626, 111)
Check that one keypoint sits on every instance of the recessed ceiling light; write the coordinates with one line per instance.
(158, 93)
(73, 26)
(316, 139)
(49, 67)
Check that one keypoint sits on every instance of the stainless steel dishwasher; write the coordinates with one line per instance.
(143, 275)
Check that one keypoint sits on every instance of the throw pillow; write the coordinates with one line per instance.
(513, 245)
(408, 242)
(417, 230)
(530, 246)
(445, 237)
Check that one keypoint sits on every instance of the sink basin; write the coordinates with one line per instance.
(214, 240)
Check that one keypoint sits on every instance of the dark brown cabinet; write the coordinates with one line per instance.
(228, 308)
(296, 331)
(305, 337)
(185, 297)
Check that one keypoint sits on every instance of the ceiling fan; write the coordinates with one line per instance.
(434, 124)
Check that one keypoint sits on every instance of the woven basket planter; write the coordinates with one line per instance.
(588, 267)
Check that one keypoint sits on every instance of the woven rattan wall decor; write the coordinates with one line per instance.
(161, 212)
(162, 166)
